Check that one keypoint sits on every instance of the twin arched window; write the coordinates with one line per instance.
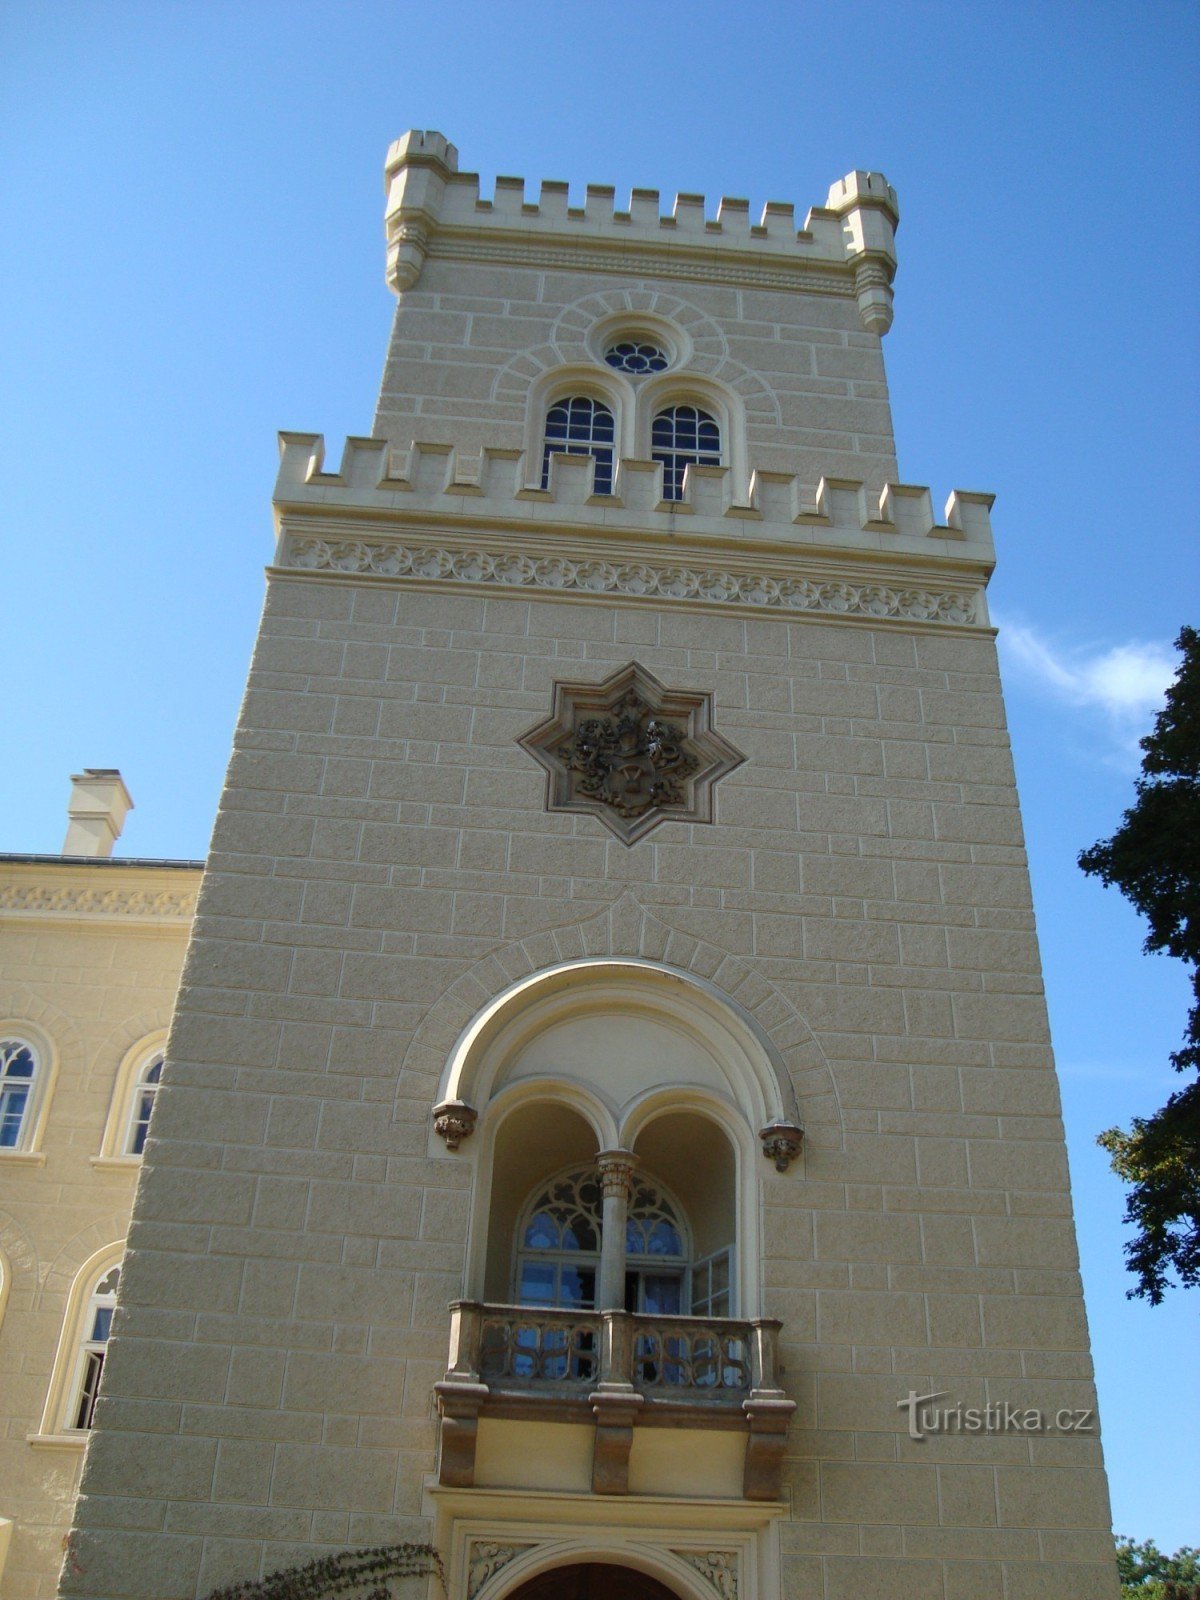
(559, 1243)
(680, 436)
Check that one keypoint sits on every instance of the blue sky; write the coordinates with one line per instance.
(193, 259)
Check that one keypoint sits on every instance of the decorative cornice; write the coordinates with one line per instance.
(80, 900)
(758, 588)
(626, 258)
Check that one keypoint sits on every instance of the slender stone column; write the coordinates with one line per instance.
(616, 1180)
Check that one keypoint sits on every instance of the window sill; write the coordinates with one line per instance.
(58, 1441)
(117, 1163)
(24, 1158)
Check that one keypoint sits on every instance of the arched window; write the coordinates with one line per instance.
(558, 1249)
(682, 436)
(18, 1072)
(560, 1240)
(581, 426)
(96, 1324)
(82, 1346)
(143, 1104)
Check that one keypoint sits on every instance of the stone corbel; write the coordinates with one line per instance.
(781, 1142)
(454, 1121)
(769, 1413)
(459, 1405)
(616, 1406)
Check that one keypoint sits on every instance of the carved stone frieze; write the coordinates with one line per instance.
(718, 1567)
(454, 1121)
(485, 1559)
(78, 901)
(635, 580)
(631, 752)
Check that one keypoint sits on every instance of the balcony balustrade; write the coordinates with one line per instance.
(619, 1369)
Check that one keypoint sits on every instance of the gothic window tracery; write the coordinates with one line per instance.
(560, 1240)
(636, 356)
(581, 426)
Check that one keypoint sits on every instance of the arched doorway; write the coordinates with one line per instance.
(593, 1580)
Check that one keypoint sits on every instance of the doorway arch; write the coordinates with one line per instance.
(593, 1580)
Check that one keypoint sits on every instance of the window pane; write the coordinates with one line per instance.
(542, 1233)
(581, 426)
(577, 1287)
(12, 1110)
(661, 1294)
(92, 1367)
(537, 1283)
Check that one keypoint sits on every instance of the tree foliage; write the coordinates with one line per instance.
(1154, 859)
(354, 1574)
(1148, 1573)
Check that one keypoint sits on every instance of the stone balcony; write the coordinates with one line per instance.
(620, 1371)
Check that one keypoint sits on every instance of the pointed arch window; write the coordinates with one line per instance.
(18, 1075)
(144, 1095)
(581, 426)
(683, 436)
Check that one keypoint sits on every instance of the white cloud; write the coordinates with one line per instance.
(1125, 682)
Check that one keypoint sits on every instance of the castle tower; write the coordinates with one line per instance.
(610, 1084)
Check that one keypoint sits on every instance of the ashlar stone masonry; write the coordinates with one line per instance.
(747, 1124)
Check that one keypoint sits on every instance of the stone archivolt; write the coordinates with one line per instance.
(631, 753)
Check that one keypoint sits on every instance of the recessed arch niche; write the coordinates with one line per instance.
(607, 1054)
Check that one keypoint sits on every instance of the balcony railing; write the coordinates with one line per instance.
(620, 1367)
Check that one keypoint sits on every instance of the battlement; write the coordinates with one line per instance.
(433, 208)
(493, 486)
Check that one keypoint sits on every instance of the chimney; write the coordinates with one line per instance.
(97, 809)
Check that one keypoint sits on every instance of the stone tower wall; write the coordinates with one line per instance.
(384, 866)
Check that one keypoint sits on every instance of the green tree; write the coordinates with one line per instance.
(1147, 1573)
(1154, 859)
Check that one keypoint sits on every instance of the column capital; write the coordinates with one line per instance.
(616, 1168)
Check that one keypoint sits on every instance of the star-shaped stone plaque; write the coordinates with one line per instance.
(631, 752)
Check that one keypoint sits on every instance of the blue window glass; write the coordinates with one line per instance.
(18, 1068)
(683, 436)
(581, 426)
(143, 1106)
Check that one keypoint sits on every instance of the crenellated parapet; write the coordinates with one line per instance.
(436, 515)
(846, 246)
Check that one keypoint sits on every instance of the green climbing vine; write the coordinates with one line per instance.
(355, 1574)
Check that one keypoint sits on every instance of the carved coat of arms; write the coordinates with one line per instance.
(631, 752)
